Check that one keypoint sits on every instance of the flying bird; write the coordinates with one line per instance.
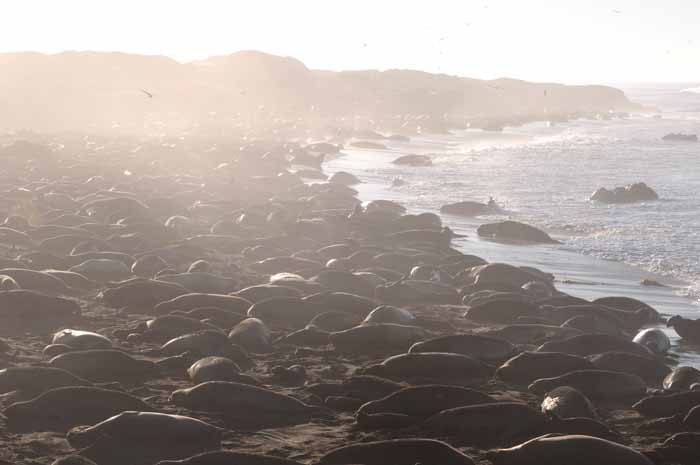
(148, 94)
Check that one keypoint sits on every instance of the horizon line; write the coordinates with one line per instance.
(192, 61)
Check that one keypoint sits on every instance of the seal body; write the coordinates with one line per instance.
(568, 449)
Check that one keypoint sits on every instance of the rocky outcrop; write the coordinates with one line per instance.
(413, 160)
(368, 145)
(466, 208)
(514, 231)
(681, 137)
(638, 192)
(102, 91)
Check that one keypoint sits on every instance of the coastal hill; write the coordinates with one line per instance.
(104, 91)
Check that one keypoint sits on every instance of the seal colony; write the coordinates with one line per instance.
(232, 304)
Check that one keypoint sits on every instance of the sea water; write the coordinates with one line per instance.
(544, 174)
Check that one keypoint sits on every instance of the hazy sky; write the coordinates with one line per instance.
(552, 40)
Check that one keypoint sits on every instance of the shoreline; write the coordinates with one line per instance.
(576, 273)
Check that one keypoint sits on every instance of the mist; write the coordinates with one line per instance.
(316, 233)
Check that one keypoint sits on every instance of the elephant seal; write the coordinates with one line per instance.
(363, 387)
(651, 370)
(681, 378)
(692, 420)
(81, 340)
(566, 402)
(171, 326)
(424, 401)
(73, 460)
(142, 438)
(140, 294)
(344, 302)
(569, 449)
(103, 365)
(200, 282)
(199, 266)
(532, 333)
(30, 381)
(74, 280)
(382, 338)
(431, 368)
(252, 335)
(244, 403)
(213, 316)
(334, 321)
(504, 311)
(268, 291)
(389, 314)
(289, 312)
(596, 384)
(592, 324)
(412, 292)
(683, 448)
(8, 283)
(647, 313)
(306, 337)
(686, 328)
(527, 367)
(401, 451)
(508, 231)
(218, 369)
(147, 266)
(485, 348)
(36, 281)
(225, 457)
(103, 270)
(205, 344)
(493, 423)
(63, 408)
(590, 344)
(653, 339)
(382, 420)
(30, 308)
(667, 405)
(494, 273)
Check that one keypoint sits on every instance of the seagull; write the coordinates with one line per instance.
(150, 95)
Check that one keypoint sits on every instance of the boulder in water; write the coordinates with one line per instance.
(413, 160)
(638, 192)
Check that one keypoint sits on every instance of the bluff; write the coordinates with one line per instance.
(103, 91)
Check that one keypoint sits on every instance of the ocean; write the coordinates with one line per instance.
(543, 174)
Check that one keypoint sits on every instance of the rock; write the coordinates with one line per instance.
(465, 208)
(344, 178)
(364, 144)
(638, 192)
(413, 160)
(681, 137)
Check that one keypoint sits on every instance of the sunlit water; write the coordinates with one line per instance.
(544, 175)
